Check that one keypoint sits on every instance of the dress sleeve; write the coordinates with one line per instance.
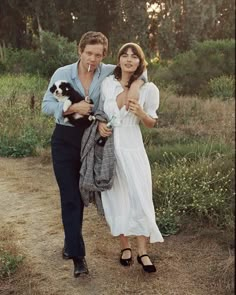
(104, 93)
(151, 103)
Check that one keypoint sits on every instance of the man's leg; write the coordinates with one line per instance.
(66, 166)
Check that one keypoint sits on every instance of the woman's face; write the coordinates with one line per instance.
(129, 61)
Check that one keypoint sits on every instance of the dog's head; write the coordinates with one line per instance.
(60, 89)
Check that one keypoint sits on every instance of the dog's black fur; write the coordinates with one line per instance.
(63, 91)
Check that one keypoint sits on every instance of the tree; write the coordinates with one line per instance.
(130, 25)
(177, 24)
(169, 26)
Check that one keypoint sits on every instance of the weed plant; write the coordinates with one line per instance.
(8, 263)
(195, 189)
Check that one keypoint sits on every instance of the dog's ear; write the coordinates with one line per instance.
(63, 86)
(68, 85)
(53, 88)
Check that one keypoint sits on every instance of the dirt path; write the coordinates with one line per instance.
(186, 263)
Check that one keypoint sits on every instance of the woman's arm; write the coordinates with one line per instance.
(147, 114)
(136, 109)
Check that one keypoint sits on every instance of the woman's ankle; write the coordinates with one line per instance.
(124, 242)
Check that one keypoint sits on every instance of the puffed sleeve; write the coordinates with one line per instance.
(152, 99)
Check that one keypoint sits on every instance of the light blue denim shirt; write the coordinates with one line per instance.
(51, 106)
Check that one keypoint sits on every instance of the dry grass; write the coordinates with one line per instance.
(202, 118)
(225, 274)
(195, 262)
(24, 281)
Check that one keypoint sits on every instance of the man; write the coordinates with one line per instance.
(85, 76)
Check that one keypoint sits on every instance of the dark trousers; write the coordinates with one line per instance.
(66, 145)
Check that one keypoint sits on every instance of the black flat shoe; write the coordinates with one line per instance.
(147, 268)
(80, 266)
(126, 261)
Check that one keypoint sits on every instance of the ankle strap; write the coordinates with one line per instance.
(125, 250)
(144, 256)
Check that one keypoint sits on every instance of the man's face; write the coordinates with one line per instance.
(91, 57)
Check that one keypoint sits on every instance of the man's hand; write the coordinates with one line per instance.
(133, 92)
(82, 107)
(104, 130)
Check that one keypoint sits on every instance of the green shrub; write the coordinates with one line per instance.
(191, 71)
(222, 87)
(56, 51)
(24, 144)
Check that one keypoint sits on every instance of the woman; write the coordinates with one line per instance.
(128, 206)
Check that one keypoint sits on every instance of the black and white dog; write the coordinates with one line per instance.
(63, 91)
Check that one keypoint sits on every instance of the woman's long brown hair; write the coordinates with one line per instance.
(137, 50)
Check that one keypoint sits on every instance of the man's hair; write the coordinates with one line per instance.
(92, 38)
(137, 50)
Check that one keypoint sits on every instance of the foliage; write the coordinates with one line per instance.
(222, 87)
(8, 263)
(193, 151)
(191, 71)
(23, 145)
(169, 27)
(22, 128)
(176, 25)
(197, 135)
(55, 52)
(13, 86)
(184, 188)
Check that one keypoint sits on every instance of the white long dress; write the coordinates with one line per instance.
(128, 205)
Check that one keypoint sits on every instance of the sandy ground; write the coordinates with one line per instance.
(187, 264)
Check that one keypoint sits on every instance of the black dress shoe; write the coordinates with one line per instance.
(126, 261)
(80, 266)
(65, 255)
(148, 268)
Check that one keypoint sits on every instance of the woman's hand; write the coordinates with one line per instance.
(136, 109)
(104, 130)
(82, 107)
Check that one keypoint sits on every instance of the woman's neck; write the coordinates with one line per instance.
(125, 78)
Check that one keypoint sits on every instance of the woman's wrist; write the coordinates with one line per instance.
(143, 116)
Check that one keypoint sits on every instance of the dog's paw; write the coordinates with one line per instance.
(66, 120)
(66, 105)
(77, 116)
